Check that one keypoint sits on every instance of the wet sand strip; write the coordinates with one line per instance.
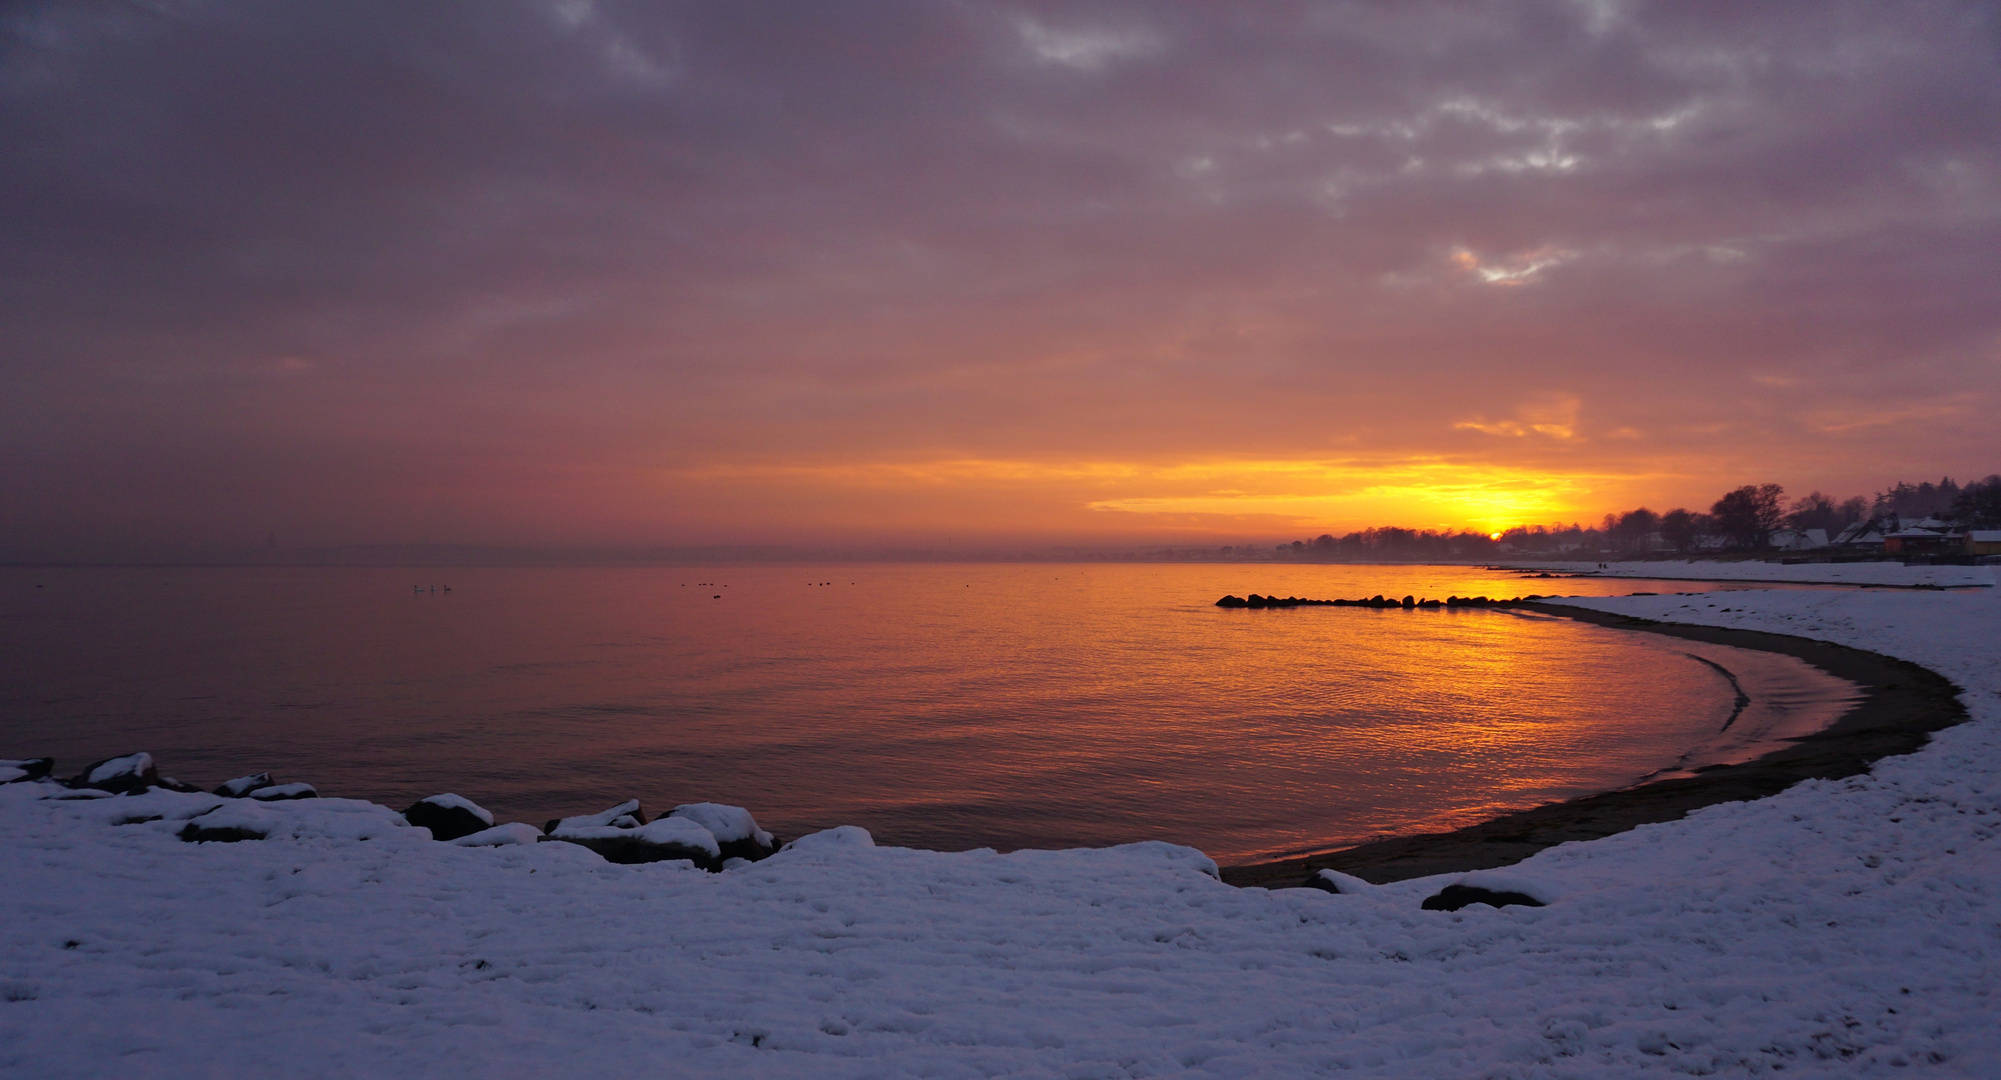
(1902, 704)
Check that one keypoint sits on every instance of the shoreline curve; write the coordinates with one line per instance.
(1902, 704)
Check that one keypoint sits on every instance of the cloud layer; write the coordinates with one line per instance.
(602, 273)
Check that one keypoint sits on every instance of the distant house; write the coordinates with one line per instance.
(1928, 537)
(1799, 539)
(1983, 542)
(1860, 536)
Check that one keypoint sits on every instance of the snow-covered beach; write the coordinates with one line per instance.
(1752, 571)
(1840, 928)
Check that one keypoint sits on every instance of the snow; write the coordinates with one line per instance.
(514, 832)
(1842, 928)
(280, 792)
(1857, 573)
(725, 823)
(460, 802)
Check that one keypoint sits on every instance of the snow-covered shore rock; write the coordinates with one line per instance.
(1844, 928)
(449, 817)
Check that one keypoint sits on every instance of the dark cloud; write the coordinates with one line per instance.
(318, 266)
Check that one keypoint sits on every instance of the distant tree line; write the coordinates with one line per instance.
(1390, 542)
(1743, 519)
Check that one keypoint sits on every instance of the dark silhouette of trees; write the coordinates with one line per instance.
(1918, 500)
(1978, 505)
(1820, 511)
(1391, 543)
(1556, 537)
(1633, 531)
(1747, 516)
(1681, 528)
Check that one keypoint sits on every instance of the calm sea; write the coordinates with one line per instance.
(944, 706)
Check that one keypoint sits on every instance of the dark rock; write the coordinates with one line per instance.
(1454, 897)
(133, 772)
(1256, 601)
(1324, 885)
(1233, 602)
(223, 834)
(244, 785)
(26, 769)
(1410, 601)
(448, 817)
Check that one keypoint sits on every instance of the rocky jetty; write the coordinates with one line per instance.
(1379, 601)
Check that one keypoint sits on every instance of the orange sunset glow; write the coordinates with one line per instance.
(974, 276)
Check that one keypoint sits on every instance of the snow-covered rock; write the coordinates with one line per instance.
(834, 841)
(133, 772)
(153, 804)
(13, 771)
(282, 792)
(1334, 881)
(733, 828)
(449, 817)
(626, 815)
(314, 819)
(662, 840)
(1454, 897)
(243, 785)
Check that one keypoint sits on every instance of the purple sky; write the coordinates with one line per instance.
(595, 273)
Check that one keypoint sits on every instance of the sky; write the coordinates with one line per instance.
(577, 273)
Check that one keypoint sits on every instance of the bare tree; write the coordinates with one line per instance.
(1820, 511)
